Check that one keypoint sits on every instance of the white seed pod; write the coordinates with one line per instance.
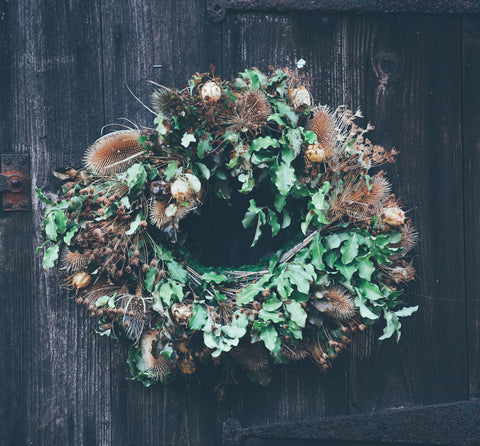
(181, 313)
(315, 153)
(171, 210)
(180, 189)
(393, 216)
(81, 279)
(210, 92)
(193, 182)
(299, 97)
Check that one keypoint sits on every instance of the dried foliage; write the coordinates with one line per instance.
(116, 229)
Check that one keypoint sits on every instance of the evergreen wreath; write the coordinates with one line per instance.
(116, 230)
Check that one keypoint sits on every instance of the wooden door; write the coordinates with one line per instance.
(64, 71)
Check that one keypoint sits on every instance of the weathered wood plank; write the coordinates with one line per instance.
(51, 108)
(138, 36)
(471, 141)
(405, 73)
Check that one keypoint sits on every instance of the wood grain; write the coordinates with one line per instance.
(471, 163)
(65, 68)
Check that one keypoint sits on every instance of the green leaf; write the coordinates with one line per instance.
(258, 231)
(204, 147)
(349, 249)
(51, 227)
(101, 301)
(248, 294)
(70, 233)
(317, 250)
(135, 224)
(332, 241)
(369, 290)
(169, 291)
(284, 178)
(270, 316)
(273, 222)
(177, 271)
(204, 170)
(280, 202)
(135, 177)
(286, 111)
(406, 311)
(61, 222)
(199, 318)
(346, 271)
(150, 279)
(297, 313)
(270, 337)
(43, 197)
(272, 304)
(263, 143)
(393, 325)
(256, 78)
(365, 268)
(214, 277)
(365, 312)
(50, 256)
(172, 170)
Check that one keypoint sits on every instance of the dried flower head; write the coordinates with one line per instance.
(157, 214)
(155, 363)
(322, 124)
(210, 92)
(315, 153)
(251, 356)
(336, 302)
(400, 273)
(166, 102)
(251, 112)
(114, 152)
(299, 97)
(181, 313)
(72, 261)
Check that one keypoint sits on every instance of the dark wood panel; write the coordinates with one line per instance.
(52, 365)
(136, 37)
(471, 144)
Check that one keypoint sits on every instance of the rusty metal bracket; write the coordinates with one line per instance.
(217, 9)
(455, 423)
(15, 182)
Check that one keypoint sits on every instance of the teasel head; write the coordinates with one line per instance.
(408, 241)
(336, 302)
(114, 152)
(253, 357)
(135, 314)
(156, 214)
(72, 261)
(294, 352)
(402, 272)
(322, 124)
(155, 362)
(251, 112)
(166, 103)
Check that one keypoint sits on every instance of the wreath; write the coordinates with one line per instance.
(116, 230)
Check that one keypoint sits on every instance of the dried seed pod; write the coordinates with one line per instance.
(393, 216)
(315, 153)
(323, 125)
(335, 302)
(187, 366)
(114, 152)
(181, 313)
(252, 356)
(210, 92)
(180, 190)
(157, 215)
(80, 280)
(251, 112)
(299, 97)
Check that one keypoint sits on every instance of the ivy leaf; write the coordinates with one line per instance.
(317, 250)
(187, 138)
(42, 196)
(171, 170)
(294, 136)
(214, 277)
(393, 325)
(204, 170)
(135, 177)
(365, 268)
(284, 178)
(270, 316)
(70, 233)
(269, 336)
(350, 249)
(280, 202)
(346, 271)
(286, 111)
(272, 304)
(50, 256)
(406, 311)
(258, 231)
(248, 294)
(199, 318)
(150, 279)
(51, 227)
(273, 222)
(369, 290)
(365, 312)
(135, 224)
(169, 291)
(263, 143)
(297, 313)
(177, 271)
(256, 78)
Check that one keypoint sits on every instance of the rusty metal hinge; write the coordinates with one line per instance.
(15, 182)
